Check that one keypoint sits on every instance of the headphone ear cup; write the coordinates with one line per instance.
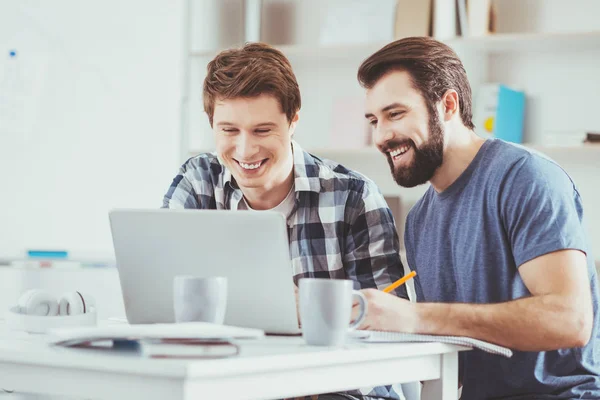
(24, 299)
(38, 302)
(90, 301)
(74, 303)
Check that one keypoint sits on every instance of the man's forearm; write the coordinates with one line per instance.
(537, 323)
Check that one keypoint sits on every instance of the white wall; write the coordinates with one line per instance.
(102, 131)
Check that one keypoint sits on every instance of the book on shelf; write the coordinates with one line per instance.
(463, 22)
(413, 18)
(479, 17)
(499, 111)
(592, 137)
(444, 19)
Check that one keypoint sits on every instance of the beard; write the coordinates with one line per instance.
(426, 159)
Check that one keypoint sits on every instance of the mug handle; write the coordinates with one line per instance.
(362, 301)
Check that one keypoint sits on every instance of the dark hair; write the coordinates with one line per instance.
(250, 71)
(433, 66)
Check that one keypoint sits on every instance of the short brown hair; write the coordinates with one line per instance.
(250, 71)
(433, 66)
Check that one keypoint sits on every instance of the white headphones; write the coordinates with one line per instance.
(41, 303)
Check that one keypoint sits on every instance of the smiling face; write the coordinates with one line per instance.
(253, 140)
(405, 129)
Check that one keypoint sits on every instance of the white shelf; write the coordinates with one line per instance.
(316, 52)
(530, 42)
(493, 43)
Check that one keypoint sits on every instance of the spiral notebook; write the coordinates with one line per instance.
(396, 337)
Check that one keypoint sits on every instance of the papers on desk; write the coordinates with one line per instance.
(396, 337)
(153, 332)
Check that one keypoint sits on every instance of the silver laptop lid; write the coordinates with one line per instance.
(249, 248)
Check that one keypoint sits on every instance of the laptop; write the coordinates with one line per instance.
(249, 248)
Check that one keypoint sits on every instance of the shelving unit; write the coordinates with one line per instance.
(554, 61)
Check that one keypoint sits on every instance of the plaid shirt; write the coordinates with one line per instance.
(340, 227)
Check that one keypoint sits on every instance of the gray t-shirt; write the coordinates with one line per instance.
(509, 206)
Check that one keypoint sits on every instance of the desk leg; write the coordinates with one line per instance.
(446, 387)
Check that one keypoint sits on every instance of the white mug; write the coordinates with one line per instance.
(199, 299)
(326, 308)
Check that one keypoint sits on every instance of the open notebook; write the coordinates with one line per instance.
(395, 337)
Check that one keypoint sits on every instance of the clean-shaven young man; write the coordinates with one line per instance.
(340, 226)
(498, 239)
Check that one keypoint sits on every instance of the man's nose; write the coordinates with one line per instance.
(382, 134)
(246, 146)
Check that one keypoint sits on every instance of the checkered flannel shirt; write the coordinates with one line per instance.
(340, 227)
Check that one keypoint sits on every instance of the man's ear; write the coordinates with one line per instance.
(450, 104)
(293, 123)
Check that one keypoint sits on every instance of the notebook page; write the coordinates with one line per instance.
(396, 337)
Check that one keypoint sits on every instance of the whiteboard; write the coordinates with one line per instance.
(89, 117)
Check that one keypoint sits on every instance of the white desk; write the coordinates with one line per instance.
(268, 369)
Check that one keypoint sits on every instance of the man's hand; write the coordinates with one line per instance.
(387, 312)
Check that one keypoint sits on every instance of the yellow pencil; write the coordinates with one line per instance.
(400, 281)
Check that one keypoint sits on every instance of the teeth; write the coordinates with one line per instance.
(399, 150)
(250, 166)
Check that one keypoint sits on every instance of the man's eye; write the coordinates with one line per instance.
(373, 122)
(229, 130)
(262, 131)
(396, 114)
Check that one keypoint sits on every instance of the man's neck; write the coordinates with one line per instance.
(461, 148)
(266, 199)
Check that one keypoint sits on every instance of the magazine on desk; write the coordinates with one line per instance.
(183, 341)
(153, 333)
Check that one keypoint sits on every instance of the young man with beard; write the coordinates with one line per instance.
(497, 240)
(340, 226)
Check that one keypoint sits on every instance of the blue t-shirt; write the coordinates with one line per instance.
(509, 206)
